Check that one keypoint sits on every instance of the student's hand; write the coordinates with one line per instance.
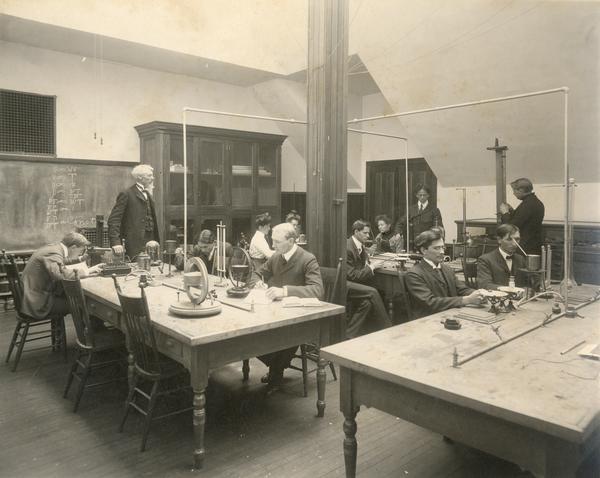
(260, 285)
(376, 264)
(95, 270)
(504, 208)
(275, 293)
(474, 297)
(117, 249)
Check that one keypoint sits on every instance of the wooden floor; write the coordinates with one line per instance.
(248, 434)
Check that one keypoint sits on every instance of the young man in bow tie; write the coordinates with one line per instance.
(133, 218)
(432, 284)
(495, 268)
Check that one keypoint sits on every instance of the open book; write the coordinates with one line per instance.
(300, 302)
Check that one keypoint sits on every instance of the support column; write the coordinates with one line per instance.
(327, 130)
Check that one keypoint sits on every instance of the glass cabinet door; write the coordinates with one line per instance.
(176, 171)
(211, 177)
(268, 193)
(241, 175)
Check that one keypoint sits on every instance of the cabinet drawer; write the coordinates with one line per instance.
(169, 346)
(103, 312)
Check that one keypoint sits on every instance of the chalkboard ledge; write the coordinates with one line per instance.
(64, 161)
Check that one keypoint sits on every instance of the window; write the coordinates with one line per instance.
(27, 123)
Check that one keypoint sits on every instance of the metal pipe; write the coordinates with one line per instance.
(185, 200)
(568, 190)
(525, 332)
(462, 105)
(241, 115)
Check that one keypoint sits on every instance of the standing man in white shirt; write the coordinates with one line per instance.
(259, 248)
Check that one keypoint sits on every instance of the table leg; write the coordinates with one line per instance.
(199, 421)
(321, 381)
(350, 444)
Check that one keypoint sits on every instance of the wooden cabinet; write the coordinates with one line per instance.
(231, 176)
(586, 246)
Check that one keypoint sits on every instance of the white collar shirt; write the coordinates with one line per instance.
(423, 205)
(439, 266)
(65, 250)
(259, 248)
(142, 189)
(288, 255)
(358, 244)
(506, 258)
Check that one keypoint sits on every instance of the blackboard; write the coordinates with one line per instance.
(40, 201)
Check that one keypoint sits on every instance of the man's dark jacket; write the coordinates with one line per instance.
(428, 291)
(528, 217)
(492, 270)
(128, 221)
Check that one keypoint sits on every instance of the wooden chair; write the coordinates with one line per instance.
(96, 345)
(331, 283)
(470, 272)
(151, 367)
(30, 329)
(406, 297)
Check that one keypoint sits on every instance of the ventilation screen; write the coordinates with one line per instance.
(26, 123)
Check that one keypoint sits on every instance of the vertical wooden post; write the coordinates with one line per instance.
(327, 130)
(500, 175)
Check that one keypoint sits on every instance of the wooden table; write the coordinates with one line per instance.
(523, 401)
(203, 344)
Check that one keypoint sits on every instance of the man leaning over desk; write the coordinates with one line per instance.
(432, 285)
(290, 271)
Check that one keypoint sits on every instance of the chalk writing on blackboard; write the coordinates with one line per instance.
(66, 204)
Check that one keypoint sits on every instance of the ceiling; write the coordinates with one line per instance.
(418, 54)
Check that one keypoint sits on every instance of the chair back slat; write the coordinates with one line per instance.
(14, 282)
(406, 297)
(332, 283)
(79, 312)
(470, 272)
(142, 342)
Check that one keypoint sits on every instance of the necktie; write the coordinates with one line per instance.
(509, 258)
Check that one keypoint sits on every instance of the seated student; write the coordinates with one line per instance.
(359, 275)
(259, 250)
(206, 248)
(387, 240)
(43, 294)
(495, 268)
(290, 271)
(294, 219)
(432, 284)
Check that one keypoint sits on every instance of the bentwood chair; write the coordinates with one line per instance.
(331, 277)
(29, 329)
(97, 346)
(154, 375)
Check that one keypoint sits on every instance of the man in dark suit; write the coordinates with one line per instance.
(43, 294)
(290, 271)
(422, 216)
(360, 274)
(527, 217)
(495, 268)
(431, 284)
(133, 218)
